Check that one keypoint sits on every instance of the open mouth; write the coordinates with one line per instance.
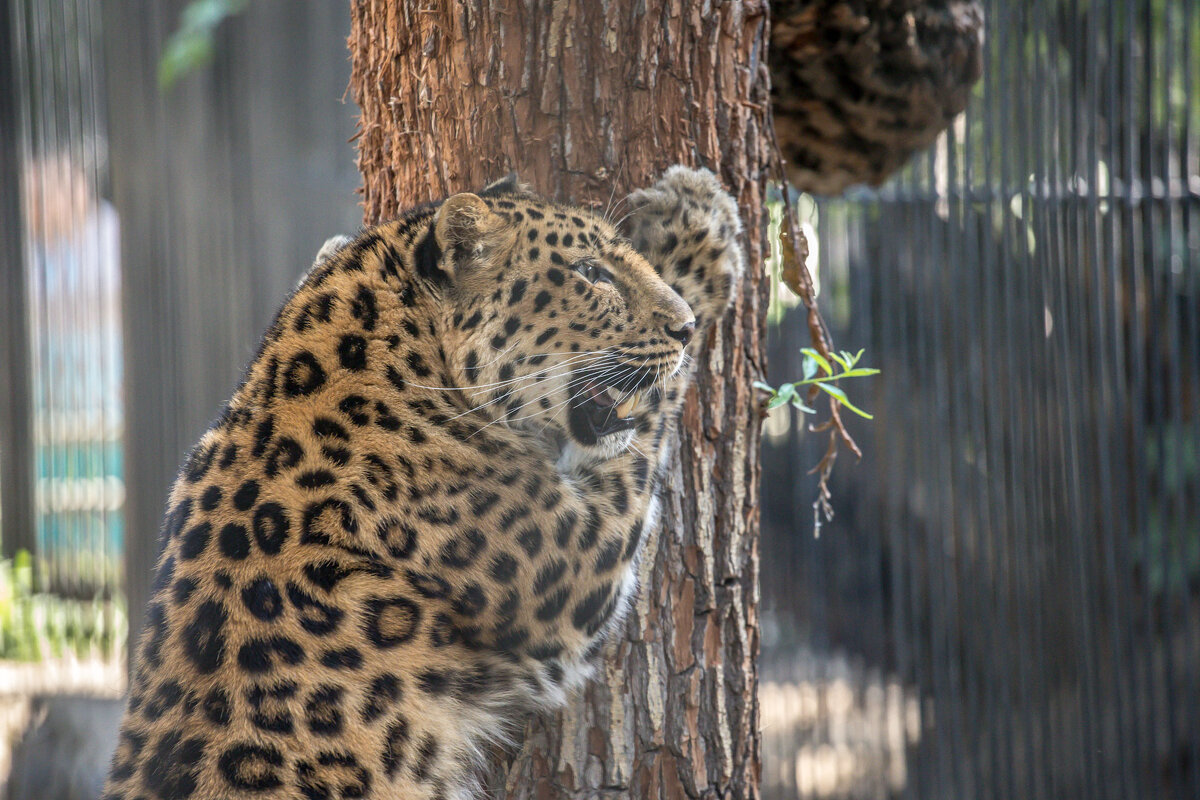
(600, 411)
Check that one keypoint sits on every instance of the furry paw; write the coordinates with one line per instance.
(687, 226)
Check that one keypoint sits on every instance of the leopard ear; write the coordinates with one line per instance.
(459, 219)
(466, 231)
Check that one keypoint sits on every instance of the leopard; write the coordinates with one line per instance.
(420, 515)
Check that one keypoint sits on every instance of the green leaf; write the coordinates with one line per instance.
(836, 391)
(820, 359)
(209, 13)
(859, 372)
(798, 402)
(185, 52)
(809, 367)
(766, 387)
(841, 398)
(840, 360)
(782, 395)
(192, 45)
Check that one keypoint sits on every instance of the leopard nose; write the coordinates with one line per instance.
(683, 333)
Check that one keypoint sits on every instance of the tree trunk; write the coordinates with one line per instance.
(576, 97)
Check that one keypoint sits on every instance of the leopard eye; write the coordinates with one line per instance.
(593, 271)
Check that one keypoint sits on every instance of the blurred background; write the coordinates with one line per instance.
(1007, 602)
(149, 233)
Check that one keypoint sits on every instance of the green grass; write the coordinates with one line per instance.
(38, 626)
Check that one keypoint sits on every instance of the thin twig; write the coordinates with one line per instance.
(795, 275)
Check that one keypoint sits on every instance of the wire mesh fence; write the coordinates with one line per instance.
(73, 295)
(1019, 552)
(1008, 603)
(61, 510)
(227, 184)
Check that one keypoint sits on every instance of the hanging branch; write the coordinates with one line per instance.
(795, 275)
(909, 66)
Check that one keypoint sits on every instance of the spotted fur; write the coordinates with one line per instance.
(393, 544)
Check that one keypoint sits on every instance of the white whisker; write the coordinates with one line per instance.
(506, 417)
(575, 358)
(571, 397)
(559, 406)
(536, 377)
(503, 353)
(450, 388)
(608, 208)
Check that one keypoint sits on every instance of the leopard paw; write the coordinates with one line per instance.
(687, 227)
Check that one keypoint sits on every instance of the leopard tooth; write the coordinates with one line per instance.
(629, 405)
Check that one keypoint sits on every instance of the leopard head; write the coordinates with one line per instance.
(556, 324)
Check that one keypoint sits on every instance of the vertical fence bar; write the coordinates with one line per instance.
(1188, 167)
(17, 516)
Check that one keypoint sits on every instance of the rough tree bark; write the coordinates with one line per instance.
(577, 96)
